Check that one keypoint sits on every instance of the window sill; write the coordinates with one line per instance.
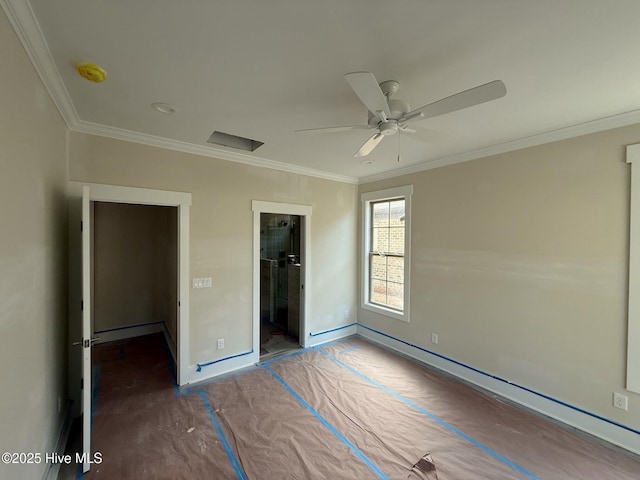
(387, 312)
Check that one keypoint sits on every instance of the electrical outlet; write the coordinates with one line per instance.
(220, 343)
(345, 314)
(620, 401)
(434, 338)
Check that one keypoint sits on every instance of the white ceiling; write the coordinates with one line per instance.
(262, 69)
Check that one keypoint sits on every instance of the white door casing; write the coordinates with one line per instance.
(142, 196)
(304, 211)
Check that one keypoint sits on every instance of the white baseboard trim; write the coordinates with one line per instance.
(331, 335)
(128, 332)
(206, 371)
(592, 424)
(52, 469)
(170, 343)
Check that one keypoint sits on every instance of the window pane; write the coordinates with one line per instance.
(395, 269)
(378, 292)
(380, 240)
(395, 295)
(380, 214)
(396, 213)
(396, 240)
(379, 267)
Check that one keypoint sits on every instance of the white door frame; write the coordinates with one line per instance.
(304, 211)
(87, 330)
(181, 200)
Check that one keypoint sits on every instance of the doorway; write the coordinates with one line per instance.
(117, 194)
(280, 266)
(134, 274)
(281, 231)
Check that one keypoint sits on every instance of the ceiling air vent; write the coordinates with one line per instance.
(233, 141)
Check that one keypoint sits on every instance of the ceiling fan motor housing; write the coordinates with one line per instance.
(388, 128)
(398, 109)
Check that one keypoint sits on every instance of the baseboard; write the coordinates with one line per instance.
(206, 371)
(330, 335)
(52, 469)
(130, 331)
(170, 343)
(590, 423)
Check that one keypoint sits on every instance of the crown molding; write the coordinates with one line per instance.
(28, 30)
(586, 128)
(206, 151)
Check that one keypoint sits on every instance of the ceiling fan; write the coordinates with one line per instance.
(389, 116)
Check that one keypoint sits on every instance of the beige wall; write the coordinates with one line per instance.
(32, 260)
(221, 222)
(519, 260)
(519, 263)
(135, 258)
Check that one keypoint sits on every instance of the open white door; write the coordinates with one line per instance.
(86, 330)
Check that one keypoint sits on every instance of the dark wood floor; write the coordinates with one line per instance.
(348, 410)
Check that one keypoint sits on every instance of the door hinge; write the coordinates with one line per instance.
(81, 225)
(82, 305)
(81, 383)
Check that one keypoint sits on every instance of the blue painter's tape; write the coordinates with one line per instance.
(433, 417)
(330, 427)
(541, 395)
(347, 350)
(200, 365)
(332, 330)
(223, 438)
(219, 378)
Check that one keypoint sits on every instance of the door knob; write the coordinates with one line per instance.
(82, 342)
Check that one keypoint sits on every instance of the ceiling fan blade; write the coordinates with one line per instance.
(368, 91)
(425, 135)
(368, 146)
(345, 128)
(468, 98)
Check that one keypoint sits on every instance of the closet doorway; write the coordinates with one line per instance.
(135, 272)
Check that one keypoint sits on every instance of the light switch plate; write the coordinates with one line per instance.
(203, 282)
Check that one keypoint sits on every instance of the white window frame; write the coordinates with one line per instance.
(367, 199)
(633, 334)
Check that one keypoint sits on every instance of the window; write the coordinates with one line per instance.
(385, 261)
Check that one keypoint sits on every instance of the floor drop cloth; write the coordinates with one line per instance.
(349, 410)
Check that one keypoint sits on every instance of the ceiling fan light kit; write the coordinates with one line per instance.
(389, 116)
